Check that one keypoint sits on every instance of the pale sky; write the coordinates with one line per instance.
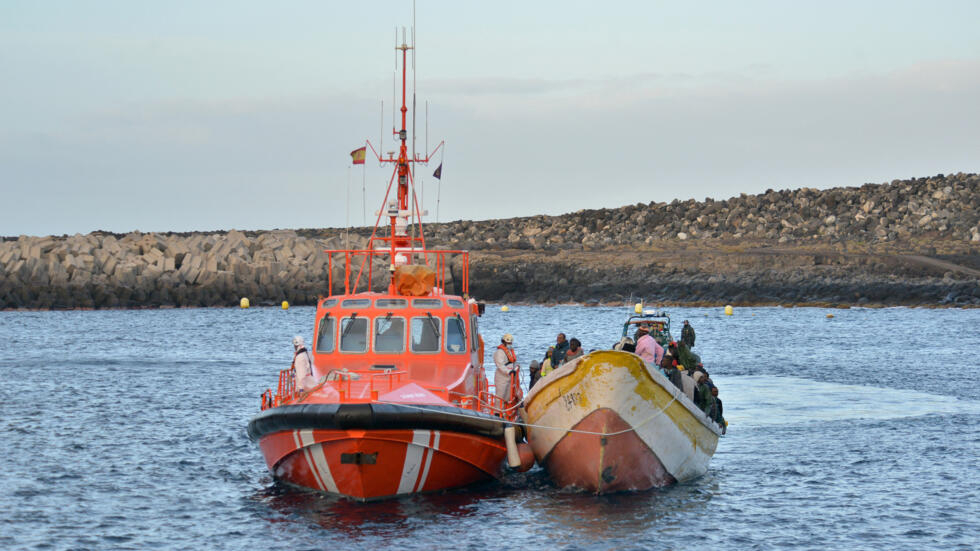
(188, 116)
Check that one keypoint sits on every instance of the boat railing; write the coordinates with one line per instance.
(482, 402)
(285, 390)
(438, 260)
(377, 383)
(347, 382)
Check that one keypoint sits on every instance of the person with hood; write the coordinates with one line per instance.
(535, 369)
(302, 367)
(717, 412)
(546, 366)
(561, 348)
(505, 359)
(688, 386)
(625, 344)
(687, 334)
(685, 357)
(702, 393)
(647, 347)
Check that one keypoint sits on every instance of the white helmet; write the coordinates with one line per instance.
(298, 342)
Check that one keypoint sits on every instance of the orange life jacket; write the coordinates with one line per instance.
(511, 357)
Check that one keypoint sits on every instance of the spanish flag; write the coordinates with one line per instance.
(357, 156)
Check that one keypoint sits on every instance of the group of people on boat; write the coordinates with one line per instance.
(675, 360)
(564, 351)
(507, 368)
(680, 365)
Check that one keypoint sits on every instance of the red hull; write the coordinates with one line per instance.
(621, 462)
(375, 464)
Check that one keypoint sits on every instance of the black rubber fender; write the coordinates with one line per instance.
(373, 416)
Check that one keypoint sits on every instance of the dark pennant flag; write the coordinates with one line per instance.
(438, 173)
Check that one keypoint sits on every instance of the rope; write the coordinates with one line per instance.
(546, 427)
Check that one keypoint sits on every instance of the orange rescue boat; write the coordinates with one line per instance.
(401, 403)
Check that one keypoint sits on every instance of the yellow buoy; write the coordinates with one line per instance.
(728, 310)
(505, 309)
(638, 307)
(285, 305)
(243, 303)
(829, 316)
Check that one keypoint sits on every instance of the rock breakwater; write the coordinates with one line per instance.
(908, 242)
(945, 208)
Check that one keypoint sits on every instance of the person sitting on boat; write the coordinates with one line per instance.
(685, 357)
(669, 367)
(717, 410)
(535, 369)
(647, 347)
(506, 361)
(687, 334)
(546, 366)
(687, 382)
(702, 393)
(561, 348)
(302, 365)
(625, 344)
(574, 350)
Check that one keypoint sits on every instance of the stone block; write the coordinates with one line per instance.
(152, 255)
(57, 273)
(85, 262)
(109, 265)
(80, 277)
(283, 254)
(9, 256)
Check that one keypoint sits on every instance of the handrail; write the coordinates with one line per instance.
(440, 260)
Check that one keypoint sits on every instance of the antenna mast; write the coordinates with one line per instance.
(404, 209)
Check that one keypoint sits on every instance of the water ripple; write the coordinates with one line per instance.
(125, 430)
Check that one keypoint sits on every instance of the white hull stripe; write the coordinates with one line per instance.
(319, 461)
(414, 453)
(306, 456)
(428, 460)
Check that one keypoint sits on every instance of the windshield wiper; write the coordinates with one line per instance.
(350, 325)
(435, 326)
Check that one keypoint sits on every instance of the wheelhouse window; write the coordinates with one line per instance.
(455, 302)
(353, 334)
(328, 303)
(325, 334)
(426, 303)
(391, 303)
(425, 334)
(356, 303)
(455, 335)
(389, 334)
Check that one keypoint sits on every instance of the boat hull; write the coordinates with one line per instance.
(376, 464)
(604, 464)
(375, 451)
(607, 422)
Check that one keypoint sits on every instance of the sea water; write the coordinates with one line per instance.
(126, 430)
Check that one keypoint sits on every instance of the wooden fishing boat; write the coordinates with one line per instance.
(609, 422)
(402, 404)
